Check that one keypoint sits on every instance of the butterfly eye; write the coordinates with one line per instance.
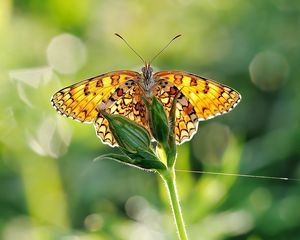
(143, 69)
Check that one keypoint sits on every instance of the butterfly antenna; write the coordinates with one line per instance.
(177, 36)
(118, 35)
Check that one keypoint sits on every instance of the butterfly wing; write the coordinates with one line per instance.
(81, 100)
(186, 118)
(201, 99)
(126, 101)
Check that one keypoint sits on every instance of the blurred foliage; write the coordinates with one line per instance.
(50, 186)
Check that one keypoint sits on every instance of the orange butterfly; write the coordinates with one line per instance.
(120, 92)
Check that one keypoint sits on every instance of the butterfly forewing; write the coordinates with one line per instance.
(81, 100)
(201, 99)
(207, 96)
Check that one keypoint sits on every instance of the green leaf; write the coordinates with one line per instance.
(147, 159)
(116, 157)
(138, 161)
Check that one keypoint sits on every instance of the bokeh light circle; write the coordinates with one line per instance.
(66, 53)
(269, 70)
(93, 222)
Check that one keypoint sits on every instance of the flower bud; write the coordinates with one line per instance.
(128, 134)
(171, 147)
(159, 123)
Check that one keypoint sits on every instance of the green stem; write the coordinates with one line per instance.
(170, 182)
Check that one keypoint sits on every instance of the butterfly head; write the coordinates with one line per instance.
(147, 71)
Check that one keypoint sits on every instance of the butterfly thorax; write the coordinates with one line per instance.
(147, 80)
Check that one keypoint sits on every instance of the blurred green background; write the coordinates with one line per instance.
(50, 186)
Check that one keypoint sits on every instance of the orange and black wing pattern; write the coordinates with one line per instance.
(82, 100)
(125, 101)
(200, 99)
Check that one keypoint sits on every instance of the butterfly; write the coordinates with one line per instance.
(121, 92)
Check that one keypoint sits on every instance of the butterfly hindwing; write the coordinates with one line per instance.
(186, 120)
(125, 101)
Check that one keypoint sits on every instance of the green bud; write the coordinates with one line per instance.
(158, 120)
(171, 147)
(129, 135)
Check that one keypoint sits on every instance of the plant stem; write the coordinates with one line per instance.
(170, 182)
